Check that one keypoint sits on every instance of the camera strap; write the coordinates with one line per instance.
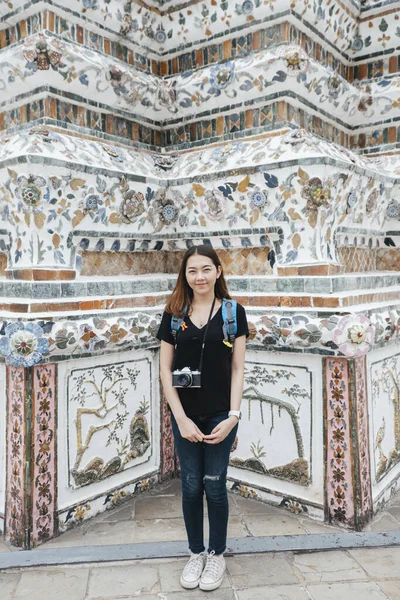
(203, 341)
(205, 335)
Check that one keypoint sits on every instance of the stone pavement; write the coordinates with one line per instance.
(337, 575)
(157, 517)
(359, 574)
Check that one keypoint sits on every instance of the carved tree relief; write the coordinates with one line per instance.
(111, 388)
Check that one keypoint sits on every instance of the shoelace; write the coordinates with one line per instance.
(213, 566)
(195, 562)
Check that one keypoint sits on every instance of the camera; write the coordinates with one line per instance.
(186, 378)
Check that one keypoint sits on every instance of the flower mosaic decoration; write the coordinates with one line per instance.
(31, 191)
(246, 8)
(213, 204)
(165, 208)
(45, 53)
(23, 344)
(222, 75)
(160, 36)
(223, 154)
(354, 335)
(393, 210)
(316, 193)
(258, 198)
(297, 61)
(334, 86)
(92, 202)
(166, 95)
(132, 206)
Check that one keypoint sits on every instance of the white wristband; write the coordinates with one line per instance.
(235, 413)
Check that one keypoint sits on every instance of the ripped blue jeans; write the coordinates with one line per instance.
(203, 469)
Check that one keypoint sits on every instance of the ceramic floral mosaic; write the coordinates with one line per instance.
(309, 201)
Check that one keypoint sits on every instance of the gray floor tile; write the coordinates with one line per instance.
(120, 532)
(159, 530)
(173, 486)
(281, 524)
(4, 547)
(247, 506)
(312, 526)
(385, 522)
(158, 507)
(320, 567)
(74, 537)
(60, 584)
(346, 591)
(220, 594)
(390, 588)
(146, 597)
(122, 513)
(8, 584)
(395, 512)
(379, 563)
(275, 592)
(259, 570)
(123, 580)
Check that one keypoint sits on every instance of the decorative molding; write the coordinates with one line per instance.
(168, 464)
(193, 24)
(352, 334)
(340, 496)
(15, 519)
(361, 433)
(281, 72)
(44, 483)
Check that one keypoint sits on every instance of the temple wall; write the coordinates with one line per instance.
(131, 131)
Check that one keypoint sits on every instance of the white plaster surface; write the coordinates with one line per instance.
(307, 373)
(66, 494)
(2, 444)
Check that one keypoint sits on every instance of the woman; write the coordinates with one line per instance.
(204, 419)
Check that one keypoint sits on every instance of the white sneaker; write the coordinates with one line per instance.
(213, 573)
(191, 574)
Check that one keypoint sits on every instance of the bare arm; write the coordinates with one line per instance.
(237, 378)
(187, 428)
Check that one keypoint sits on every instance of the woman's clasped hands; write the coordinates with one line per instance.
(189, 430)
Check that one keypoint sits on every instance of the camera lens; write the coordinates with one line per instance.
(184, 379)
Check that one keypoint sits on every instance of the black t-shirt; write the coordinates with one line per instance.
(215, 391)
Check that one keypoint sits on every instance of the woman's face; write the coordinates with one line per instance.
(201, 274)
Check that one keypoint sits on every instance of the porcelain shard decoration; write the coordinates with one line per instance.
(23, 344)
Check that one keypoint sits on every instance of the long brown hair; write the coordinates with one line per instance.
(182, 294)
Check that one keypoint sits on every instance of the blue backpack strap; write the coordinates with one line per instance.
(176, 324)
(229, 326)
